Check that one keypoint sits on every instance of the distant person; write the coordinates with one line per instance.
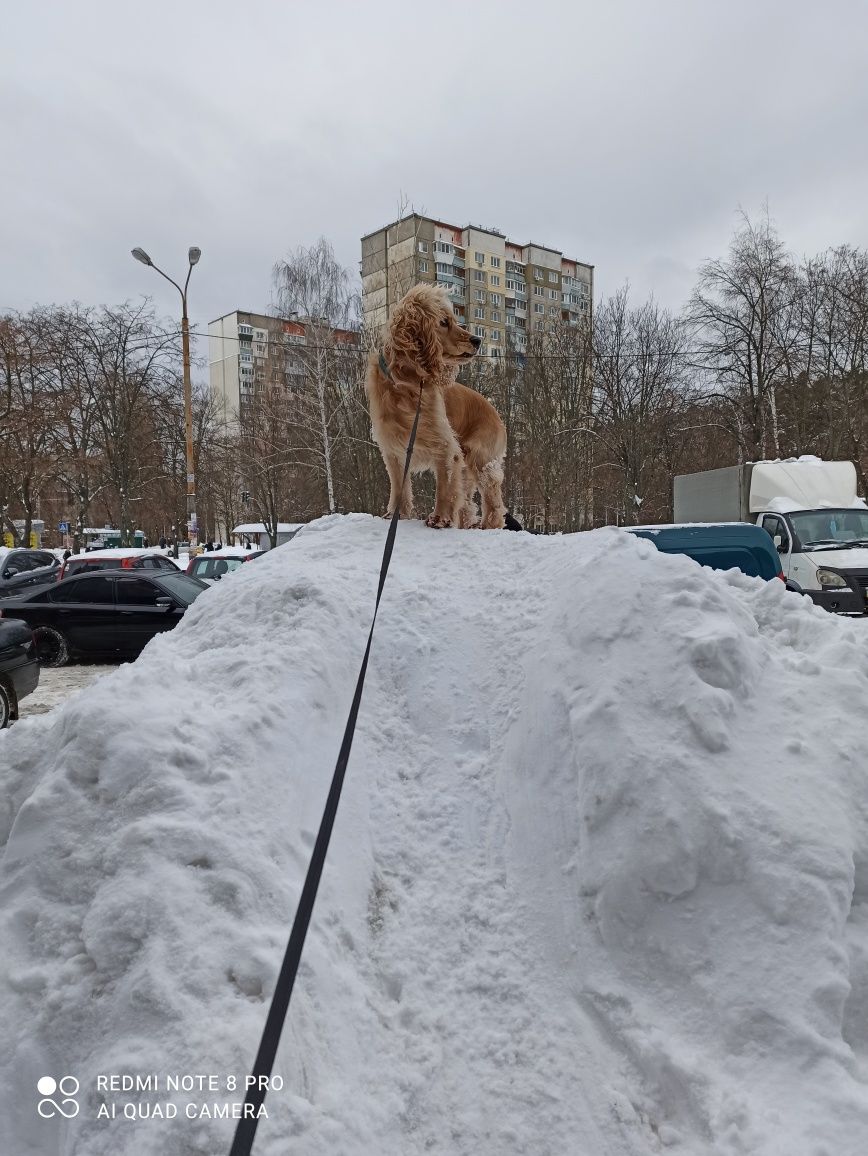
(162, 543)
(67, 554)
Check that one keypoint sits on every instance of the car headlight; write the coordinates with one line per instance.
(830, 578)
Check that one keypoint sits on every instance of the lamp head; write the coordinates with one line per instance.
(141, 255)
(194, 254)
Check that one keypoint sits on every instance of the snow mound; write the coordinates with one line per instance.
(598, 884)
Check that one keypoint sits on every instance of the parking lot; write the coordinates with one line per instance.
(56, 684)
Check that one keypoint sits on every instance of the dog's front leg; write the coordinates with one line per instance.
(399, 496)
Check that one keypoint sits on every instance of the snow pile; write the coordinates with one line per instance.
(598, 885)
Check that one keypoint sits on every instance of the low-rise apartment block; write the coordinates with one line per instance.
(501, 290)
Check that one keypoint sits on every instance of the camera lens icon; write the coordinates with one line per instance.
(57, 1097)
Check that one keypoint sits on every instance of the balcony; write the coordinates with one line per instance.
(458, 262)
(449, 279)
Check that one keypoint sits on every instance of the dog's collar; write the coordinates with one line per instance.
(384, 369)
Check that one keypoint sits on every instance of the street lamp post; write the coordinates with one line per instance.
(193, 256)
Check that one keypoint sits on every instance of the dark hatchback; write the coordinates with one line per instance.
(19, 668)
(114, 613)
(22, 569)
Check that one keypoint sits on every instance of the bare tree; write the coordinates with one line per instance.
(744, 314)
(312, 285)
(638, 390)
(29, 383)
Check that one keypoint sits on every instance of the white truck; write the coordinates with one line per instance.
(812, 512)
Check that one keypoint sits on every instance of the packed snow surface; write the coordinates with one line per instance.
(598, 885)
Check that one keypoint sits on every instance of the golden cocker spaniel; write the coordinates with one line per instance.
(460, 436)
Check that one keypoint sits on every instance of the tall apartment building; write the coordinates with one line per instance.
(250, 352)
(500, 290)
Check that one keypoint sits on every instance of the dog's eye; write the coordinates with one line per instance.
(445, 322)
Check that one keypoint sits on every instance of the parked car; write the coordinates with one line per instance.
(722, 546)
(21, 569)
(125, 558)
(211, 567)
(113, 613)
(19, 668)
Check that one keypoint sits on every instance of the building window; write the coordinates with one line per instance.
(478, 330)
(553, 276)
(553, 312)
(442, 267)
(423, 246)
(553, 294)
(495, 262)
(478, 276)
(495, 317)
(480, 295)
(537, 274)
(496, 299)
(538, 291)
(480, 258)
(479, 313)
(539, 308)
(423, 266)
(495, 335)
(495, 279)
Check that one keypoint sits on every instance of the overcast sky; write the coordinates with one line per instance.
(625, 132)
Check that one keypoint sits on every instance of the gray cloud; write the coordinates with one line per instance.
(627, 132)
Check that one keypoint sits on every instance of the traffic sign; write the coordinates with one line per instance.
(63, 527)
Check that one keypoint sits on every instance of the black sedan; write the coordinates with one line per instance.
(19, 668)
(113, 613)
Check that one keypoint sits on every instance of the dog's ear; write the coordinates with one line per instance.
(414, 338)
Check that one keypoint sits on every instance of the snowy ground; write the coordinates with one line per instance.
(598, 885)
(56, 685)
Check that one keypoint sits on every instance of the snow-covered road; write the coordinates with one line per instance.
(56, 685)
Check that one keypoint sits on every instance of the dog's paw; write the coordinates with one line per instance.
(436, 522)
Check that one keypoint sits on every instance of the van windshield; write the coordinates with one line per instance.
(833, 528)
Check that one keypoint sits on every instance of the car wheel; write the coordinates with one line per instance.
(52, 649)
(5, 706)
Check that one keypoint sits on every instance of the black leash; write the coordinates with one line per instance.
(246, 1130)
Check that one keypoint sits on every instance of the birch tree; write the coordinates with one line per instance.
(313, 286)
